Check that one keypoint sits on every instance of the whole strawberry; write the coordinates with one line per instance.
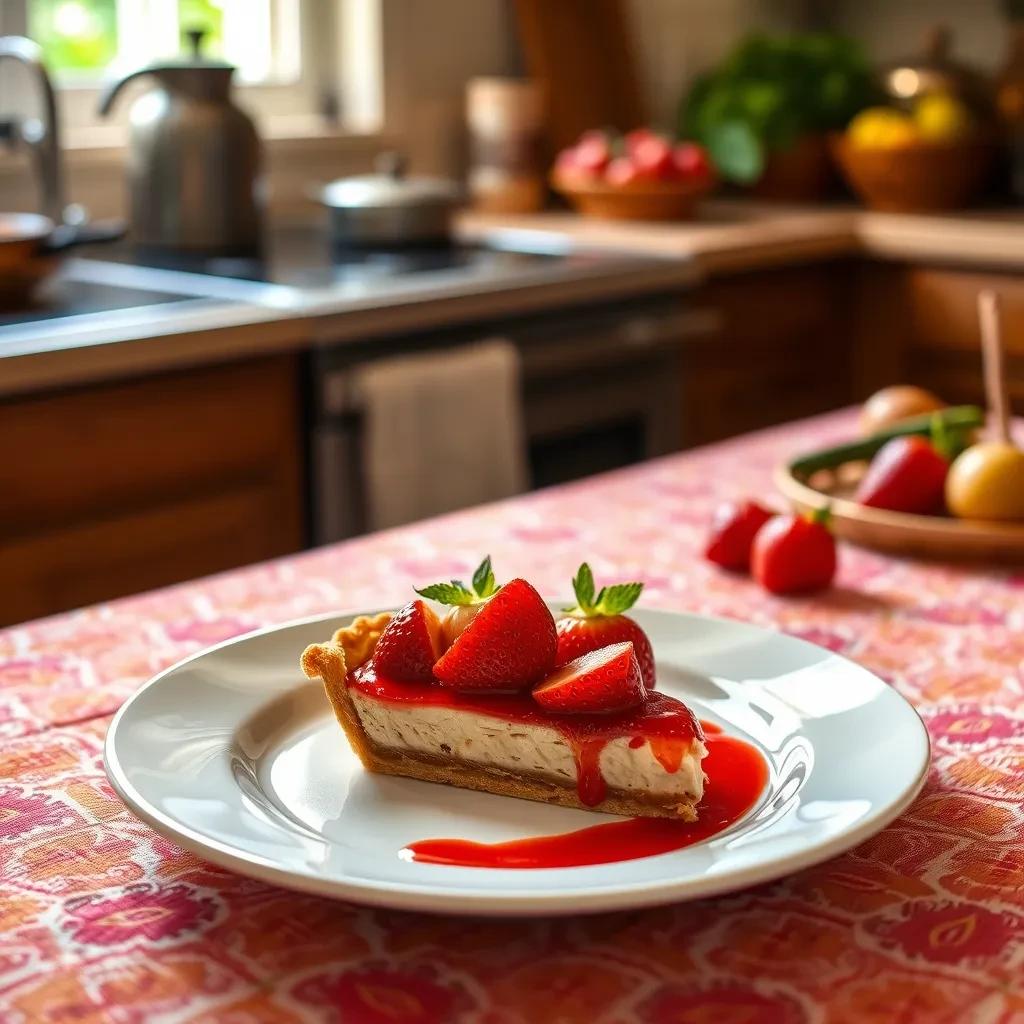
(596, 621)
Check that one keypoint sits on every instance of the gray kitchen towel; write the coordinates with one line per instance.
(441, 431)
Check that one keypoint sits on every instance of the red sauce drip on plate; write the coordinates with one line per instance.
(664, 722)
(737, 775)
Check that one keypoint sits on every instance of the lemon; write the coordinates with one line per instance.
(882, 128)
(987, 482)
(942, 118)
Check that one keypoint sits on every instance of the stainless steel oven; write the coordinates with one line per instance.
(601, 389)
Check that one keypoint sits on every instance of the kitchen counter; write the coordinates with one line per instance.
(228, 320)
(738, 235)
(213, 319)
(922, 922)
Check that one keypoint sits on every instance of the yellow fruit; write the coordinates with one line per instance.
(940, 117)
(987, 482)
(882, 128)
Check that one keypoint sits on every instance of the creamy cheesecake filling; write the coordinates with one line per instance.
(627, 763)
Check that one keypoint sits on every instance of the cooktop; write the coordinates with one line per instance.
(304, 257)
(64, 296)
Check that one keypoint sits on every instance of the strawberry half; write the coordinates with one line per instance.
(409, 645)
(509, 645)
(603, 681)
(465, 601)
(597, 621)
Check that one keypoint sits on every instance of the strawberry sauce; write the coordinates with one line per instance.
(664, 722)
(737, 775)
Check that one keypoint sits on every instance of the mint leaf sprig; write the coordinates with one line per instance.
(613, 600)
(483, 586)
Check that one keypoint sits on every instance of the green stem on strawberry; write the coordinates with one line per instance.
(482, 588)
(613, 600)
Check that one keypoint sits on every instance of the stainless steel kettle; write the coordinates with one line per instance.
(194, 159)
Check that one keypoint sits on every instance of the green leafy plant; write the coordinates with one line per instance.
(771, 91)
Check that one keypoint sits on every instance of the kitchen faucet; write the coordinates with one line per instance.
(42, 136)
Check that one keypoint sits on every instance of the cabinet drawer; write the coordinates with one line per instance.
(123, 554)
(81, 454)
(943, 313)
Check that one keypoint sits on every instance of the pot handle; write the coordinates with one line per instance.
(64, 236)
(391, 164)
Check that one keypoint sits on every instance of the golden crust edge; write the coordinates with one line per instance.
(331, 662)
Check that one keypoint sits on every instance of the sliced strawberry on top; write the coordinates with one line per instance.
(409, 645)
(509, 645)
(600, 682)
(597, 621)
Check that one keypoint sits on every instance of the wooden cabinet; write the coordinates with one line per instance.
(113, 489)
(919, 324)
(783, 351)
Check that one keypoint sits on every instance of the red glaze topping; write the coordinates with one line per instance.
(737, 775)
(666, 723)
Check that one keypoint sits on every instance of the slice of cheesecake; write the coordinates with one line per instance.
(644, 760)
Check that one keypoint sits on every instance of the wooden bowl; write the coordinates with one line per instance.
(642, 200)
(899, 533)
(917, 178)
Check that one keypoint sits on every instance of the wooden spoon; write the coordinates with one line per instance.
(986, 481)
(994, 363)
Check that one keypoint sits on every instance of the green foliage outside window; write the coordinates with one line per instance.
(76, 35)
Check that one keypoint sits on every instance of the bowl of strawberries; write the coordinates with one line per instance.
(641, 175)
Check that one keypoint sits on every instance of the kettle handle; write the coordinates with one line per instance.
(111, 92)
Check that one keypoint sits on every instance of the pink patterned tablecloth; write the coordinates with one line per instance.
(101, 919)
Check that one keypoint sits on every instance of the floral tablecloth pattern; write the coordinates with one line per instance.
(103, 920)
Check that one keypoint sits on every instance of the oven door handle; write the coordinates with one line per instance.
(636, 337)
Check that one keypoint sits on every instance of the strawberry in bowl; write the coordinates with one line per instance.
(642, 175)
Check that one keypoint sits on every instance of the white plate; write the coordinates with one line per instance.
(233, 755)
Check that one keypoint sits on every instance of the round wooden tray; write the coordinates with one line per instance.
(934, 537)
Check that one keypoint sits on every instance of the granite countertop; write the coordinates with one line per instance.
(103, 916)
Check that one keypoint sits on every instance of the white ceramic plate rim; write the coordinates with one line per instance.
(487, 899)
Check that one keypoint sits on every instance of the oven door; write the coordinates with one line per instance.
(601, 390)
(607, 397)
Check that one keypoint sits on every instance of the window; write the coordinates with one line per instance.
(85, 40)
(299, 61)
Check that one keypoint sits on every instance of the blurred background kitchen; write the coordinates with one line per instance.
(279, 272)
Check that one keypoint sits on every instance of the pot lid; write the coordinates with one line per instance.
(388, 187)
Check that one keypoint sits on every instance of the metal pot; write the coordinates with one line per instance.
(388, 208)
(934, 69)
(31, 246)
(194, 159)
